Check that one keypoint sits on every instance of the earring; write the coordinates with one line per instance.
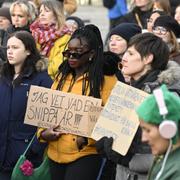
(90, 59)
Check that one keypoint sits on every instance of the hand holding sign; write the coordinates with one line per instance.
(118, 118)
(73, 113)
(51, 134)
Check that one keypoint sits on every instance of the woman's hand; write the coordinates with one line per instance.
(51, 134)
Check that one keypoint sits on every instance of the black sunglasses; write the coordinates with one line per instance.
(74, 55)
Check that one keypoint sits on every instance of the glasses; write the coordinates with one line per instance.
(159, 29)
(74, 55)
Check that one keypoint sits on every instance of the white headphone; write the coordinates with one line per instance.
(167, 128)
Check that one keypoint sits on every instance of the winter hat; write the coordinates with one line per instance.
(169, 23)
(77, 20)
(148, 110)
(126, 30)
(4, 12)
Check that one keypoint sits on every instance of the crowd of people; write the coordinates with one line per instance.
(43, 44)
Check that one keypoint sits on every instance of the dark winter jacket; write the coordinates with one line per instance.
(14, 134)
(131, 17)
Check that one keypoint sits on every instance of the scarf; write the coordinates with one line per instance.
(47, 35)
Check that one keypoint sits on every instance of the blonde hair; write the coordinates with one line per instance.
(57, 8)
(176, 46)
(26, 7)
(163, 5)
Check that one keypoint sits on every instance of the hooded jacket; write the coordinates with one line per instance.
(14, 134)
(170, 76)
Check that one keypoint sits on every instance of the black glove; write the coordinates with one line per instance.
(104, 147)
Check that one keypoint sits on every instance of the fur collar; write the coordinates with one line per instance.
(42, 64)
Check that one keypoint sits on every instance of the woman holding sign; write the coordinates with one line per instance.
(22, 69)
(148, 69)
(75, 157)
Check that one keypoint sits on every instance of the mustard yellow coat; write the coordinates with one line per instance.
(65, 149)
(55, 56)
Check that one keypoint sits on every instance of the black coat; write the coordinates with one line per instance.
(131, 17)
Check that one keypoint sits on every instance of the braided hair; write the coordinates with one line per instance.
(91, 34)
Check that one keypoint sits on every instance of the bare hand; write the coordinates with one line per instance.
(51, 134)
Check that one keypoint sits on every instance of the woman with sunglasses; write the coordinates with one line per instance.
(75, 157)
(167, 28)
(50, 33)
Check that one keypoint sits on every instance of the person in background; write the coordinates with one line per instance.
(119, 37)
(5, 22)
(162, 5)
(150, 21)
(74, 22)
(22, 69)
(143, 64)
(21, 16)
(174, 4)
(167, 28)
(160, 129)
(51, 33)
(114, 14)
(177, 14)
(70, 6)
(5, 18)
(75, 157)
(139, 14)
(118, 10)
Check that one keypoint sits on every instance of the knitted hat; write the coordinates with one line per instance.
(148, 110)
(125, 30)
(169, 23)
(77, 20)
(4, 11)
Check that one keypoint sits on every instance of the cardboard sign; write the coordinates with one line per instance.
(73, 113)
(118, 119)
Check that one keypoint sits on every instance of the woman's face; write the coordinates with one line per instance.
(72, 25)
(117, 44)
(163, 33)
(78, 53)
(16, 52)
(141, 3)
(133, 65)
(4, 23)
(177, 14)
(46, 16)
(151, 135)
(151, 20)
(19, 17)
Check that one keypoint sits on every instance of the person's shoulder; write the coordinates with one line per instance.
(110, 81)
(62, 40)
(110, 78)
